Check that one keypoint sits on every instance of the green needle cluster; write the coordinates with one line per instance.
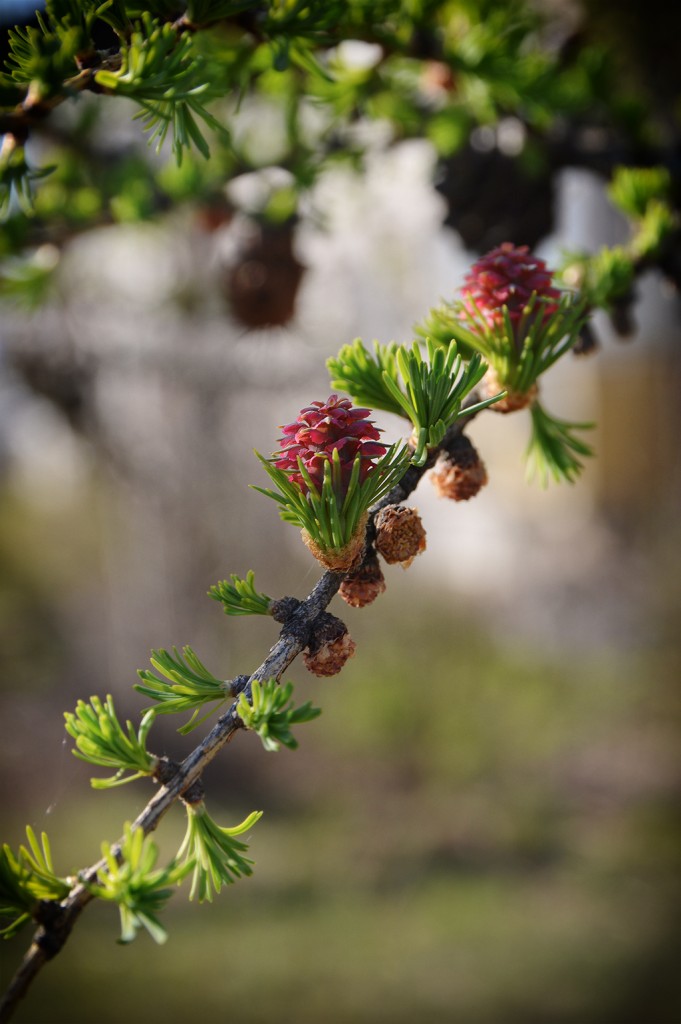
(181, 683)
(26, 878)
(240, 596)
(398, 379)
(167, 77)
(213, 852)
(518, 353)
(554, 450)
(132, 881)
(271, 713)
(102, 740)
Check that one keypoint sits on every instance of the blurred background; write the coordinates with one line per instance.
(482, 827)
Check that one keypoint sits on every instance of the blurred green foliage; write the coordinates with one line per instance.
(435, 69)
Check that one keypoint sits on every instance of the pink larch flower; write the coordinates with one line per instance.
(319, 429)
(507, 276)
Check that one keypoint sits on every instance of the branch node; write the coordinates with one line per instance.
(194, 794)
(238, 685)
(284, 608)
(165, 770)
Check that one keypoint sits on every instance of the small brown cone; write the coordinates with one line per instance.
(262, 285)
(363, 586)
(400, 535)
(460, 472)
(514, 400)
(330, 647)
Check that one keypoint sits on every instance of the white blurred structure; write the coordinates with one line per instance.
(182, 395)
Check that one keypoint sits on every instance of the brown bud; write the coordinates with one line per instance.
(621, 316)
(330, 647)
(587, 342)
(400, 536)
(363, 586)
(514, 400)
(281, 609)
(460, 472)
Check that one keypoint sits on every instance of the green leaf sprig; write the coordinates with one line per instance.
(214, 853)
(606, 277)
(433, 391)
(140, 890)
(26, 878)
(240, 596)
(632, 189)
(359, 373)
(183, 684)
(44, 56)
(271, 713)
(654, 229)
(17, 900)
(427, 392)
(17, 177)
(163, 72)
(554, 450)
(643, 194)
(101, 739)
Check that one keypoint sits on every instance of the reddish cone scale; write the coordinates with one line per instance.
(323, 427)
(507, 276)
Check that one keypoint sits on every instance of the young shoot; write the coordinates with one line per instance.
(271, 713)
(102, 740)
(214, 853)
(183, 683)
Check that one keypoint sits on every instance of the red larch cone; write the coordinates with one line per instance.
(323, 427)
(507, 276)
